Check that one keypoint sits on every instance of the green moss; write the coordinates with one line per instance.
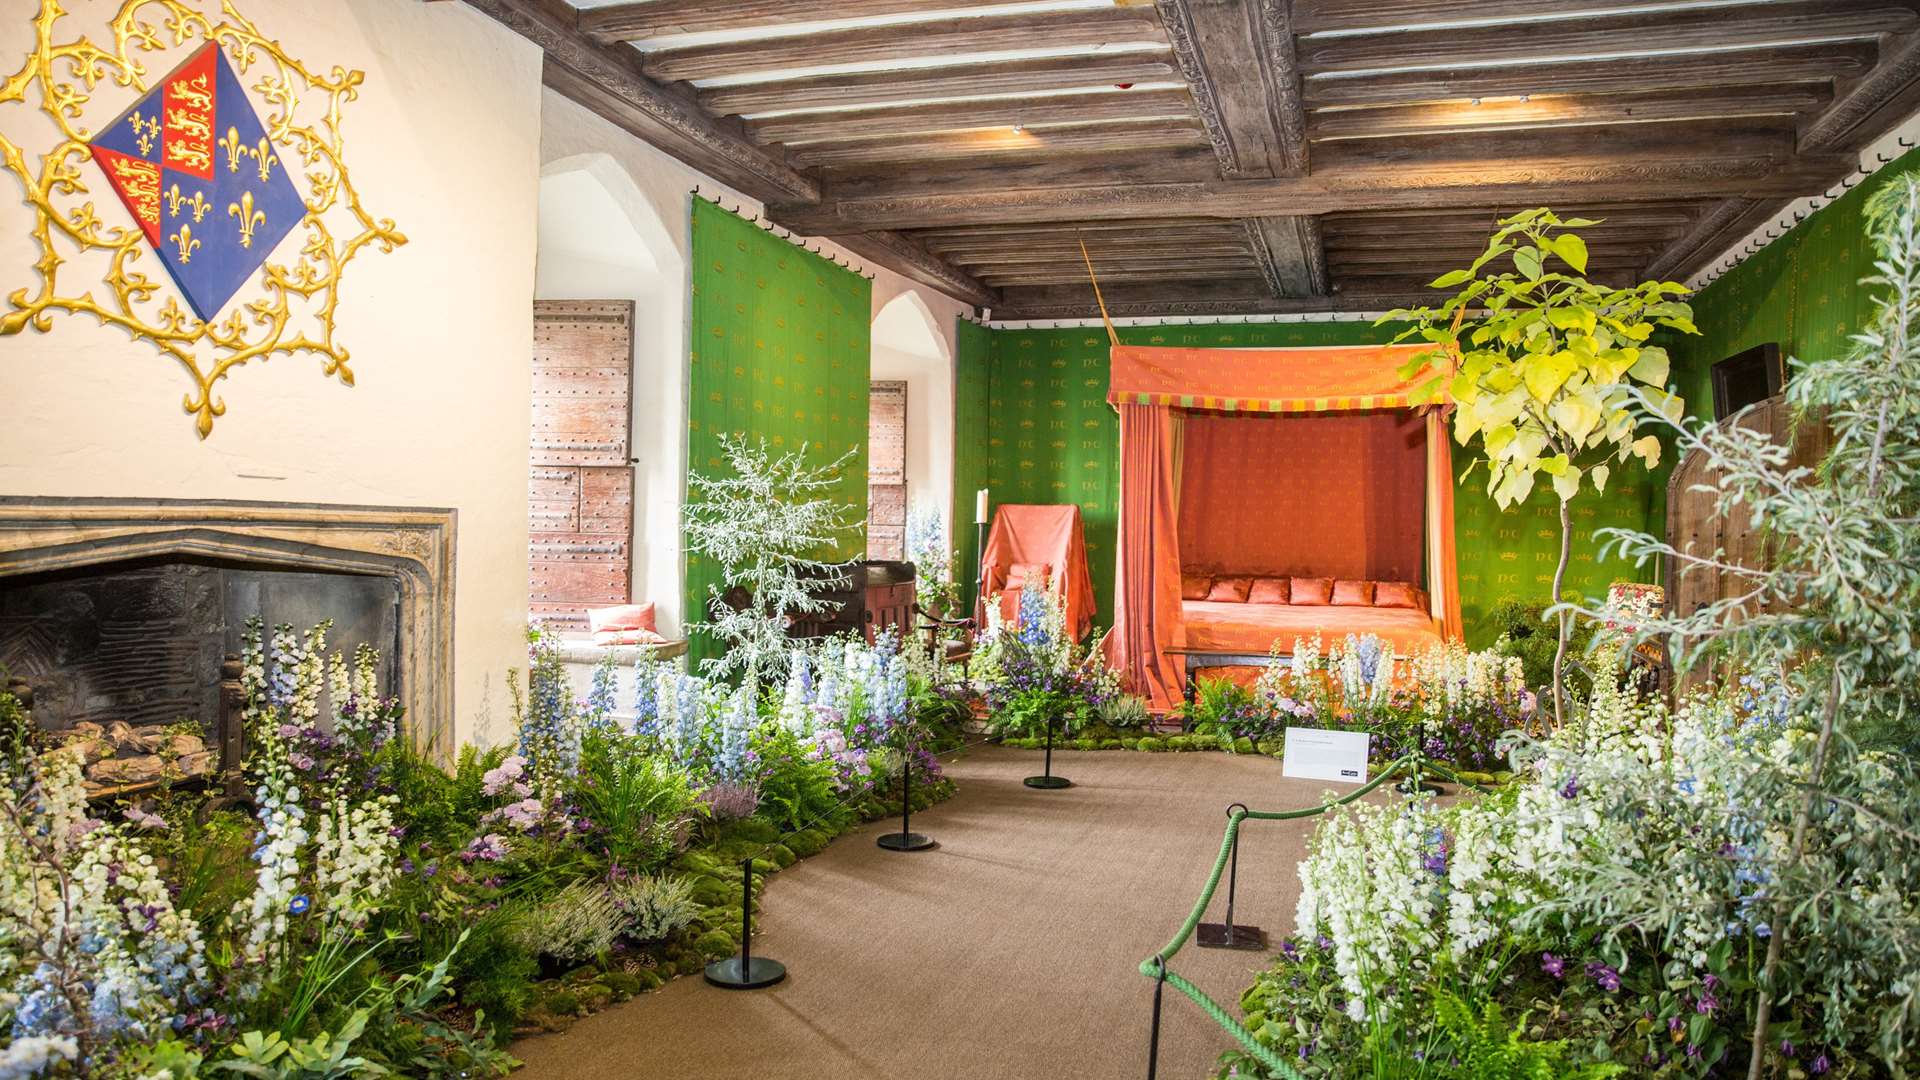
(714, 892)
(1086, 744)
(782, 856)
(1151, 744)
(1180, 742)
(1243, 745)
(560, 1003)
(694, 862)
(753, 830)
(623, 984)
(647, 980)
(595, 996)
(716, 944)
(805, 843)
(1110, 744)
(1130, 744)
(1272, 747)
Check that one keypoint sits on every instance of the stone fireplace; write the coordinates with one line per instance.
(123, 616)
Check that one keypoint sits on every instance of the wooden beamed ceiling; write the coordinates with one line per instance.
(1242, 156)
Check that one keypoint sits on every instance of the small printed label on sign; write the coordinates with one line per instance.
(1319, 754)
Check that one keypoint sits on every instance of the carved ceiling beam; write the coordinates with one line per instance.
(665, 18)
(1499, 183)
(604, 79)
(959, 80)
(911, 41)
(1176, 300)
(905, 120)
(1564, 110)
(1290, 254)
(965, 145)
(1868, 105)
(1574, 39)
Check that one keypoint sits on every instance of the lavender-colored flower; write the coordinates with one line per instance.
(1607, 977)
(1553, 965)
(1819, 1065)
(1571, 788)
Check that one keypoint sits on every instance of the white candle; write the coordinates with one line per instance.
(980, 507)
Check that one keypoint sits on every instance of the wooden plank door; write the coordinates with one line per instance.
(887, 470)
(580, 469)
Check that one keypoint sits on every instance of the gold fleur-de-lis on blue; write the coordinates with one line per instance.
(198, 204)
(230, 142)
(184, 239)
(263, 156)
(250, 218)
(145, 129)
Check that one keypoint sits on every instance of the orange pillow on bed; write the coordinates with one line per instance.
(1309, 591)
(1195, 586)
(1397, 594)
(1353, 594)
(1268, 590)
(1230, 590)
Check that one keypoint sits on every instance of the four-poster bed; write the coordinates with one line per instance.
(1269, 494)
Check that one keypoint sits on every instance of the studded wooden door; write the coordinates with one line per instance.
(887, 470)
(580, 483)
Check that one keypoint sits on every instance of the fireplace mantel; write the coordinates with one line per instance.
(413, 545)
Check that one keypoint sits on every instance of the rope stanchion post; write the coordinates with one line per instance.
(1227, 935)
(746, 971)
(906, 839)
(1153, 1034)
(1046, 779)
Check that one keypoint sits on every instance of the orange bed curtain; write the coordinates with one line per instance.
(1335, 494)
(1146, 617)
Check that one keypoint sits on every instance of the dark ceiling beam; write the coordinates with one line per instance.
(1504, 183)
(602, 78)
(665, 18)
(960, 80)
(1120, 105)
(1543, 111)
(996, 171)
(912, 41)
(1825, 61)
(946, 145)
(1320, 16)
(1252, 115)
(607, 80)
(1869, 104)
(1668, 30)
(1174, 300)
(1474, 236)
(1291, 254)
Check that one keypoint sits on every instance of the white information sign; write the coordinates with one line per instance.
(1319, 754)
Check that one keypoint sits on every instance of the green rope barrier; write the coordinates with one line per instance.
(1155, 966)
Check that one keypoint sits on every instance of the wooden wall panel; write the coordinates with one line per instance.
(580, 478)
(887, 470)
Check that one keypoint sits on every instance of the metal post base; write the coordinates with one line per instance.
(1047, 781)
(1213, 935)
(912, 841)
(760, 971)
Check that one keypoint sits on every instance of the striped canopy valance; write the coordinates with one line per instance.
(1264, 380)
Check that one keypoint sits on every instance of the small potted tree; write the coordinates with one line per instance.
(1542, 367)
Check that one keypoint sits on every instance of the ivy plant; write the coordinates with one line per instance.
(1541, 366)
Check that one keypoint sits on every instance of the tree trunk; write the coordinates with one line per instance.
(1566, 617)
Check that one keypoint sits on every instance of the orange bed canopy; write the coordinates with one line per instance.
(1154, 388)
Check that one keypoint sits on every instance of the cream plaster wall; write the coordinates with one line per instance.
(444, 139)
(655, 192)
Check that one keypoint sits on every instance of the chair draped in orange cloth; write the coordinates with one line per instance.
(1154, 389)
(1028, 541)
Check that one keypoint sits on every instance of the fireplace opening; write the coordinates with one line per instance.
(135, 660)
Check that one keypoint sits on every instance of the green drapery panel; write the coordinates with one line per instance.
(1053, 438)
(972, 362)
(779, 348)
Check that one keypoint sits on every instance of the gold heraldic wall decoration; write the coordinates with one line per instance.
(121, 208)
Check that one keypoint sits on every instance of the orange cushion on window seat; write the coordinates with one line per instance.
(1195, 586)
(1353, 594)
(1310, 591)
(1397, 594)
(1268, 590)
(1230, 590)
(621, 617)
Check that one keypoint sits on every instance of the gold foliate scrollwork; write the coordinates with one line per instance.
(293, 307)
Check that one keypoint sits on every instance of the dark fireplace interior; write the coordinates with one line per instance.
(113, 652)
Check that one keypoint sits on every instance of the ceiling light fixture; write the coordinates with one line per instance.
(1475, 101)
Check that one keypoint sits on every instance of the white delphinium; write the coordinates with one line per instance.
(279, 846)
(1363, 667)
(796, 699)
(354, 848)
(1367, 885)
(1305, 661)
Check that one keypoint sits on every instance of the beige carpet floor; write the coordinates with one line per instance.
(1009, 951)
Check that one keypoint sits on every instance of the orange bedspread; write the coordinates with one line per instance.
(1253, 628)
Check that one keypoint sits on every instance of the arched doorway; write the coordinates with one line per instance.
(912, 372)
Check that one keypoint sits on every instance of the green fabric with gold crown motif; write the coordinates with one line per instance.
(779, 347)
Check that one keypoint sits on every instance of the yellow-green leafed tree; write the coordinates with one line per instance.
(1546, 368)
